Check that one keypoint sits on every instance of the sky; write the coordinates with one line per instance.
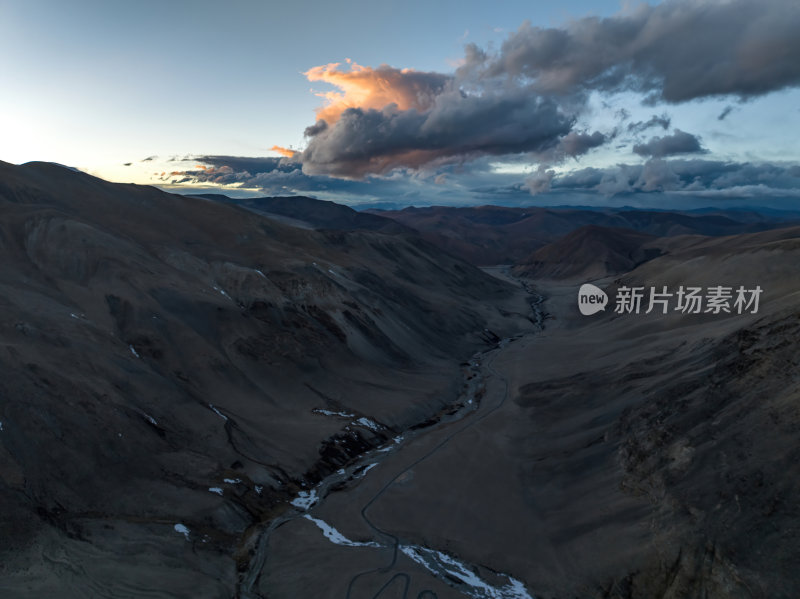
(673, 104)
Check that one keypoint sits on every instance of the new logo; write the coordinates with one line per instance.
(591, 299)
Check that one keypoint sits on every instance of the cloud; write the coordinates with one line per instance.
(285, 152)
(675, 51)
(659, 182)
(273, 176)
(540, 181)
(527, 97)
(725, 112)
(679, 142)
(662, 121)
(450, 126)
(374, 88)
(575, 144)
(703, 178)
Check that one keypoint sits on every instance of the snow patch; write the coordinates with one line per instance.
(150, 419)
(216, 490)
(330, 413)
(134, 352)
(1, 426)
(259, 489)
(180, 528)
(442, 565)
(232, 481)
(217, 412)
(222, 291)
(305, 499)
(335, 537)
(367, 423)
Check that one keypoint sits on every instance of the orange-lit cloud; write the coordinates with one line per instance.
(288, 152)
(376, 88)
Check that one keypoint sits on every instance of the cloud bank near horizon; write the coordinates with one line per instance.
(477, 183)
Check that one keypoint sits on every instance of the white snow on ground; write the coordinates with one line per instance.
(329, 413)
(305, 499)
(217, 412)
(222, 291)
(335, 537)
(183, 530)
(133, 351)
(261, 273)
(366, 422)
(398, 439)
(258, 489)
(74, 315)
(368, 468)
(442, 564)
(232, 481)
(216, 490)
(150, 419)
(1, 426)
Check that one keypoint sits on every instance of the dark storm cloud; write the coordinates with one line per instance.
(576, 143)
(662, 121)
(679, 142)
(572, 145)
(704, 178)
(456, 126)
(674, 51)
(316, 128)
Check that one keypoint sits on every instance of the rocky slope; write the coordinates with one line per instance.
(176, 369)
(591, 252)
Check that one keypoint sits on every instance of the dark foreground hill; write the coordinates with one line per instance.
(315, 214)
(200, 401)
(176, 362)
